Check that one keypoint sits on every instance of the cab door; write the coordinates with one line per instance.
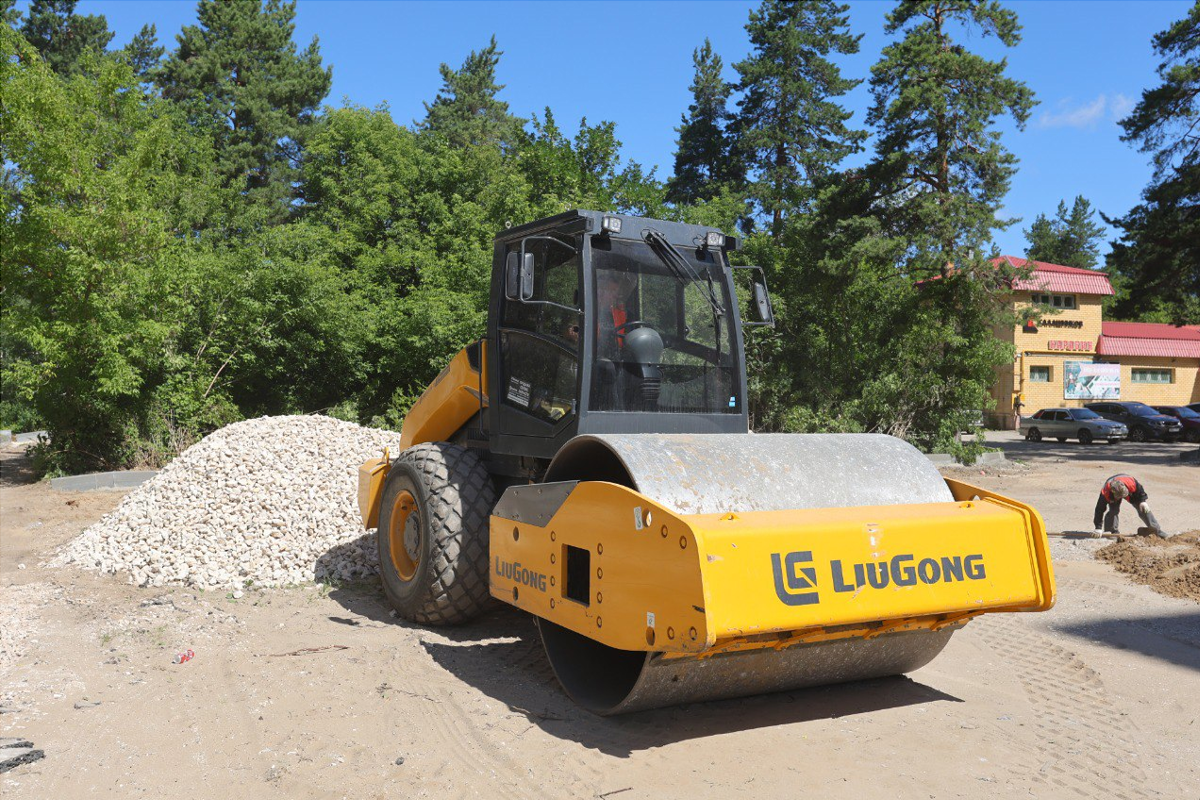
(538, 342)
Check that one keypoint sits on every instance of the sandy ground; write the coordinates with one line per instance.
(1099, 697)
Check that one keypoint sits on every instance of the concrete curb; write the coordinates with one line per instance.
(947, 460)
(102, 480)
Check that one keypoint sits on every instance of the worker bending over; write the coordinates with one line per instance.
(1116, 489)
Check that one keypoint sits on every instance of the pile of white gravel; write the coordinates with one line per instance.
(264, 502)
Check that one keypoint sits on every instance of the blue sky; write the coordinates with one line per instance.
(630, 62)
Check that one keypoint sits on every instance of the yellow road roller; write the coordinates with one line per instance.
(589, 461)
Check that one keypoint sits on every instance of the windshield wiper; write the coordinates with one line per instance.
(680, 268)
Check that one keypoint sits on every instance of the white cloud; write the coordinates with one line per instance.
(1088, 114)
(1119, 106)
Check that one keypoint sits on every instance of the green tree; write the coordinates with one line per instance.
(144, 52)
(1158, 253)
(466, 110)
(939, 162)
(703, 157)
(63, 37)
(1071, 238)
(790, 127)
(105, 186)
(239, 76)
(9, 15)
(939, 177)
(585, 171)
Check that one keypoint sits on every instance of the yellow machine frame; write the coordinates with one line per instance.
(702, 584)
(455, 395)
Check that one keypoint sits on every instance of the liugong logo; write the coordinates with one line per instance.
(796, 578)
(795, 585)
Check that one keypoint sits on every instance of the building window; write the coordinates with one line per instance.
(1153, 375)
(1066, 301)
(1040, 374)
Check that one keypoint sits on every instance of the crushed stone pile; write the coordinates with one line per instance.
(1169, 566)
(263, 502)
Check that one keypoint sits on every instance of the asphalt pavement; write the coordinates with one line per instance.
(1017, 448)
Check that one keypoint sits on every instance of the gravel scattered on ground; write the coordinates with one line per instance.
(18, 611)
(263, 502)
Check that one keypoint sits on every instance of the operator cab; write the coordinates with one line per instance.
(604, 323)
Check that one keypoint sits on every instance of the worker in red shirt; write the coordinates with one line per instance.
(1116, 489)
(614, 290)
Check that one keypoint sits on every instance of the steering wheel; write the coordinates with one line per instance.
(625, 327)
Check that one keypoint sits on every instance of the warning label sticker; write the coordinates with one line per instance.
(518, 392)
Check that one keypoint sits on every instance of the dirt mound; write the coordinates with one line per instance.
(1169, 566)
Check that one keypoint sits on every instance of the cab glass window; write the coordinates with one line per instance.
(539, 339)
(663, 342)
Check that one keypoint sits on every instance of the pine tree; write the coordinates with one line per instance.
(238, 75)
(1072, 238)
(941, 168)
(1159, 249)
(939, 176)
(703, 158)
(144, 52)
(790, 128)
(466, 110)
(62, 36)
(9, 15)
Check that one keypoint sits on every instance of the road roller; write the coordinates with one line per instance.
(589, 461)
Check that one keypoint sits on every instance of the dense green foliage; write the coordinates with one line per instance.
(466, 111)
(107, 184)
(63, 38)
(190, 238)
(791, 130)
(704, 157)
(1071, 238)
(238, 77)
(1158, 254)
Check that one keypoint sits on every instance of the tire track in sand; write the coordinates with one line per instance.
(1089, 747)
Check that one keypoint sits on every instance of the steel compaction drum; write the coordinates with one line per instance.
(718, 473)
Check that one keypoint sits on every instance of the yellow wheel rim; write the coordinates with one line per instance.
(404, 539)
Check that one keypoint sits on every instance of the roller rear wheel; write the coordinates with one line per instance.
(433, 534)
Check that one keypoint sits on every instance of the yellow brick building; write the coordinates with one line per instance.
(1158, 364)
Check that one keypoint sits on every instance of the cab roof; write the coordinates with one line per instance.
(680, 234)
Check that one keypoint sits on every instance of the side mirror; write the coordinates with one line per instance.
(762, 303)
(518, 283)
(762, 300)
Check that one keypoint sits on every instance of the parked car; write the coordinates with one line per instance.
(1073, 423)
(1188, 416)
(1195, 407)
(1143, 421)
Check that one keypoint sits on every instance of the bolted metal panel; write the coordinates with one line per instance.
(535, 504)
(718, 473)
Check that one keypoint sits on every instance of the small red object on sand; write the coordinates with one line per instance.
(185, 656)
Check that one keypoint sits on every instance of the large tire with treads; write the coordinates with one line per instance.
(433, 534)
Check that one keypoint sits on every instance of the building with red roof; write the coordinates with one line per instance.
(1057, 278)
(1068, 355)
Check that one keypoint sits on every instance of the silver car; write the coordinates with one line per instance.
(1073, 423)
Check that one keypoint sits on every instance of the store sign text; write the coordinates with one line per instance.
(1059, 344)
